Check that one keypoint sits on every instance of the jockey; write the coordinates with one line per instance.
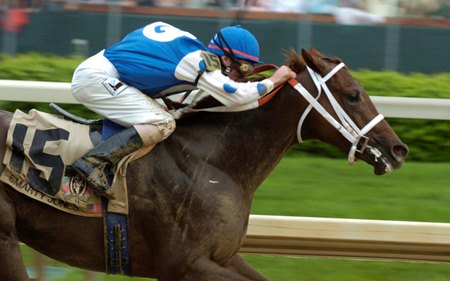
(121, 82)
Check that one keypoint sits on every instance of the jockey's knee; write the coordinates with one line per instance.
(153, 133)
(167, 126)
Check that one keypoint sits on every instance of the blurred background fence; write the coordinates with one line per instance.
(407, 36)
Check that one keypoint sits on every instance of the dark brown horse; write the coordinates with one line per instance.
(190, 198)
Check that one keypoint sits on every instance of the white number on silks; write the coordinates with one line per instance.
(163, 32)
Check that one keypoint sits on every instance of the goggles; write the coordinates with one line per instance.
(245, 68)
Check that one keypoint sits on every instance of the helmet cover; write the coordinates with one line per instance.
(242, 42)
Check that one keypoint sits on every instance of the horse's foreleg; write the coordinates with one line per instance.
(238, 264)
(206, 270)
(12, 267)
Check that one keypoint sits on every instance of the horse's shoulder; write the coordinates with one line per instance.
(5, 118)
(4, 113)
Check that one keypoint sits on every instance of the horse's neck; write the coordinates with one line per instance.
(246, 146)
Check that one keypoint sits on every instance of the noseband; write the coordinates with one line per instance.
(345, 124)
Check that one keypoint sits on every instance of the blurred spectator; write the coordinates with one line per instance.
(96, 1)
(146, 2)
(54, 5)
(351, 12)
(385, 8)
(255, 5)
(293, 6)
(321, 6)
(443, 11)
(3, 9)
(171, 3)
(13, 17)
(220, 3)
(195, 3)
(419, 8)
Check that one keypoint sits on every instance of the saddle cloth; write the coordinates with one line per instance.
(39, 147)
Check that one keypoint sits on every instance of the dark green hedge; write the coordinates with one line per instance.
(39, 67)
(390, 83)
(428, 139)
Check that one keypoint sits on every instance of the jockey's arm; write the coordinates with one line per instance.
(230, 92)
(224, 89)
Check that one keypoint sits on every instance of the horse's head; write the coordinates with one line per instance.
(344, 115)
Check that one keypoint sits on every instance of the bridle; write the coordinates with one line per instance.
(345, 124)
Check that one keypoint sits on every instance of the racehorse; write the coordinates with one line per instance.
(190, 198)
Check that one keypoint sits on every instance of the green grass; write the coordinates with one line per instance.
(320, 187)
(331, 188)
(324, 269)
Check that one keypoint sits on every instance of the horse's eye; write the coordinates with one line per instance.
(354, 96)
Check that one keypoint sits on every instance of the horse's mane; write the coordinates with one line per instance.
(294, 61)
(297, 63)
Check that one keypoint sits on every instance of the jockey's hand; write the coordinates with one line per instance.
(281, 75)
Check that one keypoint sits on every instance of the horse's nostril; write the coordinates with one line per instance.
(400, 151)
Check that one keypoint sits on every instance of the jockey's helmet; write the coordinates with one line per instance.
(235, 42)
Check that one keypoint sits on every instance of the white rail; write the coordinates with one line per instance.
(379, 239)
(58, 92)
(32, 91)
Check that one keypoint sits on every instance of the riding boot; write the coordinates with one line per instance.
(98, 163)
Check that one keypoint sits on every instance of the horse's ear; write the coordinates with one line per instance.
(312, 60)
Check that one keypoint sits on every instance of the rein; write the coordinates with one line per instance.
(345, 125)
(260, 69)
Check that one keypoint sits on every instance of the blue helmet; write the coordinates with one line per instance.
(235, 42)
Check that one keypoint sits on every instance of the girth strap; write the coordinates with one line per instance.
(116, 242)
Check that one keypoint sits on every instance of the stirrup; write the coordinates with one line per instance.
(100, 187)
(96, 175)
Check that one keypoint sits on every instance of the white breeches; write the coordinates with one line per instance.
(95, 84)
